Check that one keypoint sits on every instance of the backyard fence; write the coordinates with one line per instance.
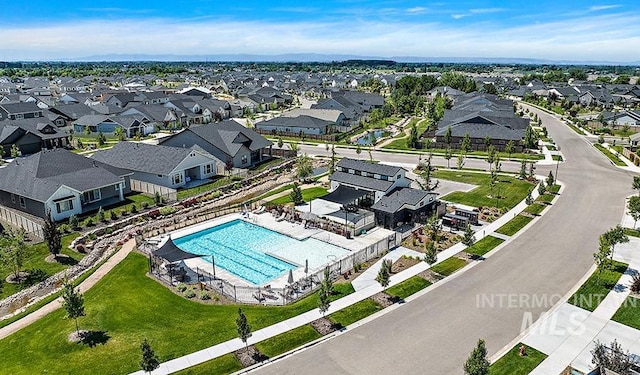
(31, 226)
(168, 194)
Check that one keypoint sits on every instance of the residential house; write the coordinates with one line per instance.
(31, 136)
(172, 167)
(376, 179)
(62, 183)
(107, 124)
(19, 111)
(228, 141)
(404, 205)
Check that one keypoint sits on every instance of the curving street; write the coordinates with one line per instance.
(435, 333)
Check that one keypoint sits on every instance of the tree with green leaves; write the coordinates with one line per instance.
(280, 142)
(477, 363)
(149, 360)
(304, 167)
(358, 149)
(413, 136)
(294, 147)
(465, 145)
(530, 138)
(296, 194)
(523, 170)
(493, 181)
(101, 216)
(384, 274)
(542, 188)
(332, 161)
(433, 226)
(460, 162)
(73, 222)
(15, 152)
(13, 251)
(448, 137)
(532, 170)
(487, 142)
(73, 303)
(448, 154)
(529, 199)
(323, 299)
(468, 238)
(1, 155)
(550, 179)
(430, 254)
(52, 236)
(119, 133)
(243, 327)
(327, 282)
(636, 184)
(510, 148)
(616, 236)
(496, 162)
(634, 209)
(612, 358)
(491, 155)
(601, 257)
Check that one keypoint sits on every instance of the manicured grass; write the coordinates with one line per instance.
(191, 192)
(510, 189)
(545, 198)
(554, 189)
(535, 209)
(514, 225)
(408, 287)
(632, 232)
(596, 288)
(575, 129)
(35, 260)
(287, 341)
(307, 195)
(484, 245)
(275, 191)
(129, 306)
(227, 364)
(557, 157)
(513, 364)
(355, 312)
(629, 313)
(138, 199)
(614, 158)
(449, 266)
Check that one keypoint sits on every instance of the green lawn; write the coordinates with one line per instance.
(34, 260)
(138, 199)
(545, 198)
(535, 208)
(307, 195)
(227, 364)
(287, 341)
(575, 129)
(632, 232)
(614, 158)
(355, 312)
(129, 306)
(596, 288)
(514, 225)
(408, 287)
(553, 189)
(511, 190)
(449, 266)
(191, 192)
(513, 364)
(275, 191)
(484, 245)
(629, 313)
(557, 157)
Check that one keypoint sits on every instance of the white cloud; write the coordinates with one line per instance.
(486, 10)
(417, 10)
(597, 8)
(457, 16)
(603, 37)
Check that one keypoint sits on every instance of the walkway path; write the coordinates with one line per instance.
(365, 286)
(84, 286)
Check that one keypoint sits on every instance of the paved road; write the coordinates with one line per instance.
(435, 333)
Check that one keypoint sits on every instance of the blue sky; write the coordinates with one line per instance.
(560, 30)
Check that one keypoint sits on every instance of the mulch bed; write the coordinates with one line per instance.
(324, 326)
(249, 356)
(383, 299)
(403, 263)
(12, 279)
(418, 241)
(430, 276)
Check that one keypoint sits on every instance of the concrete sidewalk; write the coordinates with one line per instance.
(366, 288)
(83, 287)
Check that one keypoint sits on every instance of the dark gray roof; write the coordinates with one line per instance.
(73, 111)
(39, 176)
(20, 107)
(366, 166)
(41, 127)
(394, 201)
(344, 195)
(369, 183)
(303, 121)
(142, 157)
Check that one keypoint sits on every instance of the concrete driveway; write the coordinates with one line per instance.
(435, 333)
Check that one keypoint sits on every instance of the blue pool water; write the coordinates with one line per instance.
(243, 249)
(370, 137)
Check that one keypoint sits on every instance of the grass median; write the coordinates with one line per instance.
(614, 158)
(514, 225)
(449, 266)
(408, 287)
(483, 246)
(595, 289)
(514, 364)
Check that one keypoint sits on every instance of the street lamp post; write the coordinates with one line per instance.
(213, 265)
(557, 162)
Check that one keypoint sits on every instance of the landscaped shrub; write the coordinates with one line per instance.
(635, 284)
(80, 248)
(181, 287)
(189, 293)
(88, 222)
(64, 228)
(108, 230)
(133, 209)
(145, 205)
(164, 211)
(123, 212)
(204, 295)
(73, 222)
(157, 199)
(113, 215)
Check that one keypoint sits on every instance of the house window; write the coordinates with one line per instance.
(23, 202)
(398, 177)
(358, 173)
(91, 196)
(13, 198)
(208, 168)
(19, 116)
(177, 179)
(64, 206)
(244, 159)
(384, 178)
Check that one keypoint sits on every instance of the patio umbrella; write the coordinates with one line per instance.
(290, 280)
(306, 266)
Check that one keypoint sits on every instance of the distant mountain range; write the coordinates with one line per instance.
(316, 57)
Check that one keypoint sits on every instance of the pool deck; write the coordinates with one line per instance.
(268, 221)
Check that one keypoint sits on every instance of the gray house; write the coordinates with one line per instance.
(62, 183)
(227, 140)
(171, 167)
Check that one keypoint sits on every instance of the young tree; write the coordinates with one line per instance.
(304, 167)
(532, 170)
(119, 133)
(323, 300)
(73, 303)
(529, 199)
(448, 154)
(296, 194)
(615, 236)
(460, 162)
(465, 146)
(634, 209)
(510, 148)
(52, 236)
(73, 222)
(149, 361)
(244, 328)
(530, 138)
(468, 238)
(487, 142)
(426, 173)
(280, 142)
(542, 188)
(550, 179)
(613, 358)
(294, 147)
(327, 283)
(477, 363)
(1, 155)
(523, 170)
(13, 251)
(430, 254)
(448, 137)
(384, 273)
(101, 216)
(332, 162)
(15, 152)
(491, 156)
(413, 137)
(601, 257)
(358, 149)
(636, 184)
(228, 165)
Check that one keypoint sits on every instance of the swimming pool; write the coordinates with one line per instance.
(256, 254)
